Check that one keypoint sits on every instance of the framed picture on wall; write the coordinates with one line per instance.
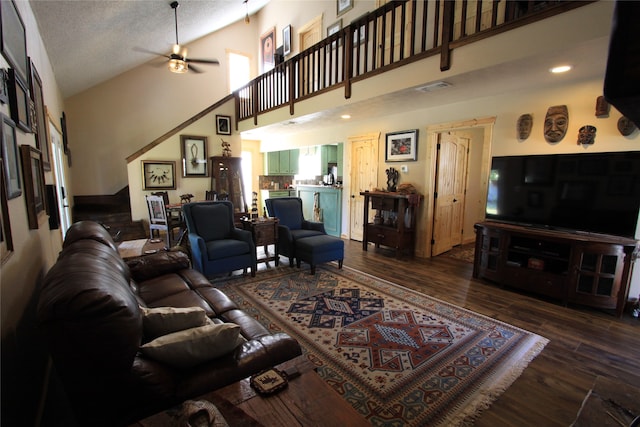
(223, 125)
(14, 38)
(343, 6)
(286, 40)
(194, 156)
(34, 189)
(402, 146)
(6, 241)
(35, 86)
(10, 158)
(268, 50)
(158, 175)
(19, 101)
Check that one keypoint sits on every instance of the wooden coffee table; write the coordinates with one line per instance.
(307, 401)
(134, 248)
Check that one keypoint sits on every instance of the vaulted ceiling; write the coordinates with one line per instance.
(90, 41)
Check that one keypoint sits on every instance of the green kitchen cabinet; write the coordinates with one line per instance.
(328, 154)
(283, 162)
(329, 206)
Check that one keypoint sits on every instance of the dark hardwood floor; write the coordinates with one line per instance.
(584, 343)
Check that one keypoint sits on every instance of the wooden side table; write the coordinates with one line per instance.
(265, 233)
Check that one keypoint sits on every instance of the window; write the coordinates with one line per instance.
(239, 71)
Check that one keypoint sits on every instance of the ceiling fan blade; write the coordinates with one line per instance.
(195, 69)
(140, 49)
(203, 61)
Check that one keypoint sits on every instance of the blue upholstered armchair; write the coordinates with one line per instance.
(292, 225)
(217, 246)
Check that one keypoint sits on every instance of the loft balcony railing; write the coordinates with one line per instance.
(396, 34)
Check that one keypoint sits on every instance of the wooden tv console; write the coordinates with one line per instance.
(584, 268)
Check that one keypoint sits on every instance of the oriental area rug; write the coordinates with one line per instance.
(397, 356)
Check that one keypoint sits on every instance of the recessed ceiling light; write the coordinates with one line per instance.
(560, 69)
(345, 116)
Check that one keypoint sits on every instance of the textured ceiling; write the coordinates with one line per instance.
(90, 41)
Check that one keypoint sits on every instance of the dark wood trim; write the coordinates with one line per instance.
(180, 127)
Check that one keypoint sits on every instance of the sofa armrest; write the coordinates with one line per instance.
(150, 266)
(313, 225)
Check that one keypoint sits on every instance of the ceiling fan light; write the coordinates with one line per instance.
(178, 66)
(176, 49)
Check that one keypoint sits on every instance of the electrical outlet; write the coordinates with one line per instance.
(404, 168)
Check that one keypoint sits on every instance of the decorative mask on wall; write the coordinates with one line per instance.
(525, 122)
(587, 135)
(626, 126)
(602, 107)
(556, 123)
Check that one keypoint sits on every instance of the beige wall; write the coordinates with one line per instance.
(23, 358)
(111, 121)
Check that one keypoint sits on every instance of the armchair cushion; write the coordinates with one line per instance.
(211, 221)
(191, 347)
(289, 212)
(217, 249)
(165, 320)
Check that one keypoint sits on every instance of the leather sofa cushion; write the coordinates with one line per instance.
(211, 221)
(191, 347)
(165, 320)
(143, 268)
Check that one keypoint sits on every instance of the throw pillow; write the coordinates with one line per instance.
(165, 320)
(191, 347)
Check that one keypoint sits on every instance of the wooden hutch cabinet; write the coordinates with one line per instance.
(394, 224)
(226, 181)
(583, 268)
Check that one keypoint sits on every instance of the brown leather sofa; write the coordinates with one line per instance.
(89, 312)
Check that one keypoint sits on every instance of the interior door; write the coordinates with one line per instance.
(57, 154)
(309, 34)
(363, 176)
(451, 177)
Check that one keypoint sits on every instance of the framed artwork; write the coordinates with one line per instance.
(4, 86)
(223, 125)
(194, 156)
(19, 101)
(268, 50)
(14, 38)
(10, 159)
(343, 6)
(401, 146)
(334, 28)
(286, 40)
(34, 189)
(158, 175)
(6, 241)
(40, 125)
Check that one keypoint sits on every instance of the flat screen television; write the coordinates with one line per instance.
(589, 192)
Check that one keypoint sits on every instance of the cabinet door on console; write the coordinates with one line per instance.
(599, 269)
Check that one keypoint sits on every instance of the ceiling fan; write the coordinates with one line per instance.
(178, 61)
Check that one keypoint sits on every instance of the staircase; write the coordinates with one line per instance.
(113, 211)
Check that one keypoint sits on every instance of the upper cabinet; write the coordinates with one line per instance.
(328, 154)
(282, 162)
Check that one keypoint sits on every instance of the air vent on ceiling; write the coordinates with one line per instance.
(431, 87)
